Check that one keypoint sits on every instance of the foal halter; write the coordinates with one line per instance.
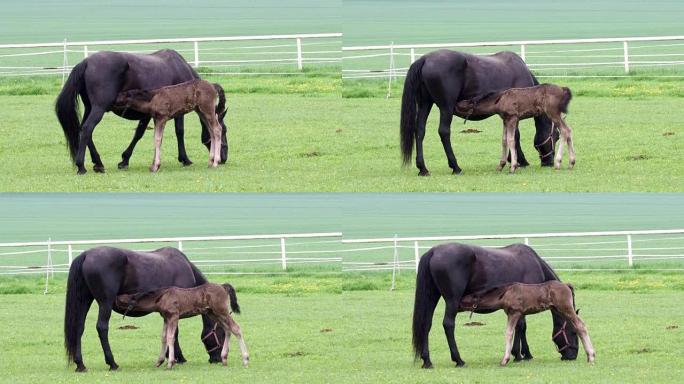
(565, 336)
(212, 333)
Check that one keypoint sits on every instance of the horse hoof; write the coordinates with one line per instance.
(154, 168)
(81, 369)
(427, 366)
(457, 171)
(186, 162)
(528, 357)
(460, 364)
(523, 163)
(122, 165)
(113, 367)
(81, 172)
(424, 172)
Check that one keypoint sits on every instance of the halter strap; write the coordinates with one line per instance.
(565, 336)
(553, 144)
(212, 333)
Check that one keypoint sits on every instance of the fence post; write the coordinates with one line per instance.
(299, 54)
(413, 55)
(629, 250)
(283, 255)
(626, 51)
(391, 71)
(522, 52)
(416, 253)
(85, 51)
(196, 46)
(527, 241)
(65, 63)
(70, 254)
(394, 264)
(180, 245)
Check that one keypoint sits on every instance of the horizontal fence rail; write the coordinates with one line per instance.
(330, 253)
(660, 56)
(246, 55)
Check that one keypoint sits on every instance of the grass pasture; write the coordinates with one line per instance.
(346, 336)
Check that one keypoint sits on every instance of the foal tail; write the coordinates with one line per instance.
(233, 297)
(66, 107)
(221, 106)
(408, 109)
(78, 300)
(565, 99)
(426, 300)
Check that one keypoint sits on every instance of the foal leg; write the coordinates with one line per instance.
(563, 140)
(581, 329)
(510, 329)
(170, 333)
(511, 126)
(235, 329)
(568, 140)
(139, 132)
(158, 133)
(504, 151)
(162, 354)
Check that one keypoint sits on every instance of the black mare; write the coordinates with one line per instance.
(102, 273)
(446, 77)
(98, 80)
(454, 270)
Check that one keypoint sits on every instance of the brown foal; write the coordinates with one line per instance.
(519, 299)
(166, 103)
(175, 303)
(516, 104)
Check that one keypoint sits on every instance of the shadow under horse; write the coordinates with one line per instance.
(453, 271)
(446, 77)
(101, 274)
(98, 79)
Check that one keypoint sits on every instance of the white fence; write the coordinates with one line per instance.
(295, 50)
(590, 254)
(542, 56)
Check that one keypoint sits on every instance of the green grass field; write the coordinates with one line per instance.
(317, 335)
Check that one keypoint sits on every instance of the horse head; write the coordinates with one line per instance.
(212, 338)
(565, 338)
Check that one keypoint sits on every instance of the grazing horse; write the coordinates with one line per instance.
(453, 271)
(519, 299)
(103, 273)
(446, 77)
(516, 104)
(172, 101)
(175, 303)
(98, 79)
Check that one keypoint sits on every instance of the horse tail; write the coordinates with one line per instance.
(67, 109)
(408, 109)
(565, 99)
(78, 299)
(233, 297)
(427, 296)
(221, 106)
(572, 290)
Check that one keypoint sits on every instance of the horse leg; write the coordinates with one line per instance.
(170, 333)
(521, 335)
(449, 323)
(139, 132)
(102, 326)
(158, 133)
(559, 153)
(522, 161)
(94, 155)
(421, 121)
(445, 117)
(180, 359)
(510, 329)
(504, 150)
(180, 137)
(94, 117)
(80, 323)
(162, 353)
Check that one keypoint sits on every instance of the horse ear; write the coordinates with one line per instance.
(577, 312)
